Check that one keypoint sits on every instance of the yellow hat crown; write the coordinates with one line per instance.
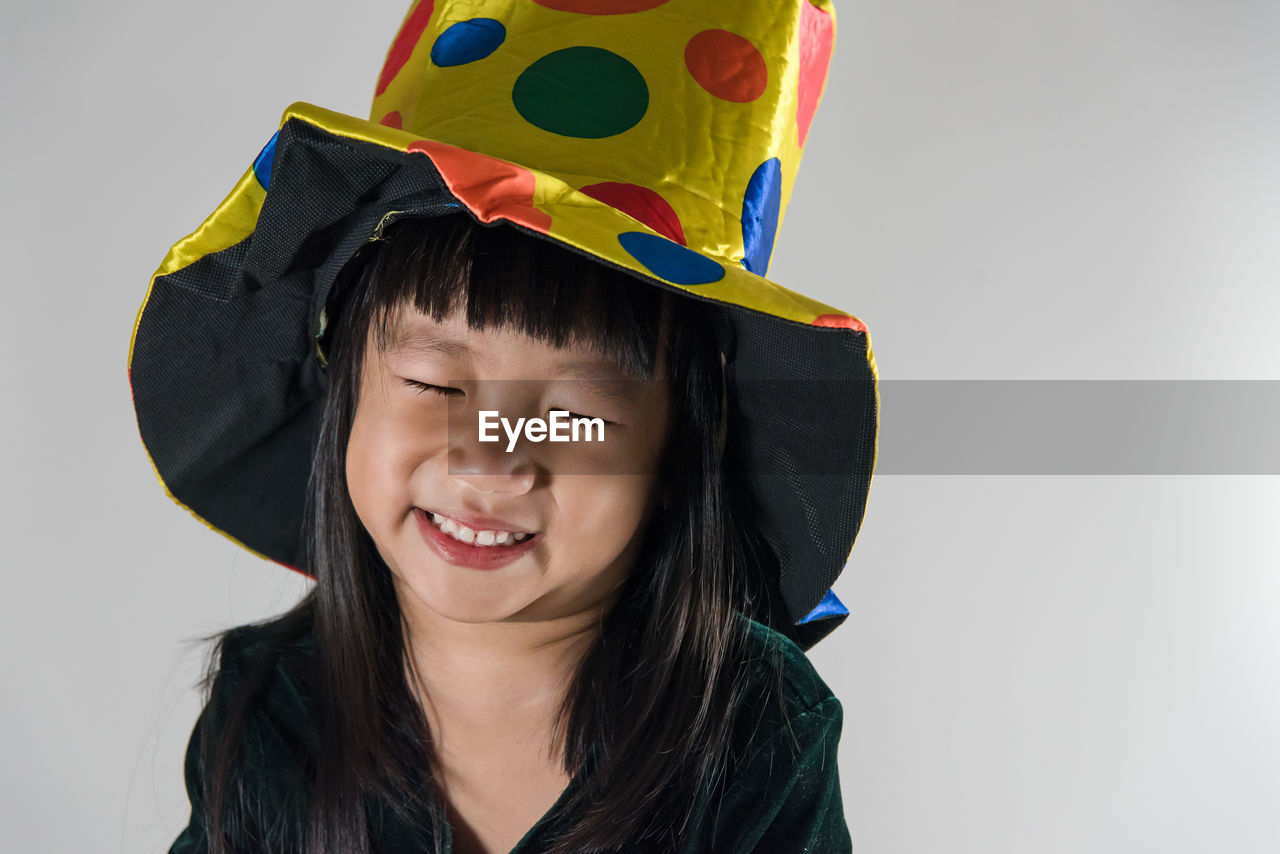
(689, 116)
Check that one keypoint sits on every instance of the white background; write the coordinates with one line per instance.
(1071, 190)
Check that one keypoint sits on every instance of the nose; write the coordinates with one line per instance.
(487, 467)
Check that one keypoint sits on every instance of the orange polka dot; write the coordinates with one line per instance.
(491, 188)
(841, 321)
(726, 65)
(816, 36)
(392, 120)
(406, 41)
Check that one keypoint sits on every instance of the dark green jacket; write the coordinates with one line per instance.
(783, 800)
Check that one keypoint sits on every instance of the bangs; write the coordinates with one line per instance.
(507, 279)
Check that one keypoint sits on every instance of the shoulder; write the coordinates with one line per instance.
(775, 657)
(264, 679)
(252, 740)
(282, 648)
(785, 704)
(781, 792)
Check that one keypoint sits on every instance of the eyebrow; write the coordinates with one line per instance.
(419, 343)
(409, 342)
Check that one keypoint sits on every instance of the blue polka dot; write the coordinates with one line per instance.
(668, 260)
(760, 209)
(830, 606)
(467, 41)
(262, 163)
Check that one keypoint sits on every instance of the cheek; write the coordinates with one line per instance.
(389, 445)
(362, 470)
(378, 467)
(603, 514)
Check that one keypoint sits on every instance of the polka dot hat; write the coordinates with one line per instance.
(660, 136)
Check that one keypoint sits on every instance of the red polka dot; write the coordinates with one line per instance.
(639, 203)
(726, 65)
(840, 321)
(600, 7)
(491, 188)
(392, 120)
(816, 35)
(410, 31)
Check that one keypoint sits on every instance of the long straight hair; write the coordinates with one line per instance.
(650, 711)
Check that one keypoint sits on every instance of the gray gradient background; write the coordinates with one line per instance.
(1034, 190)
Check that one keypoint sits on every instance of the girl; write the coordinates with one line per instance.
(553, 649)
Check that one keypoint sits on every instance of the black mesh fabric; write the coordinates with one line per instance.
(803, 426)
(226, 388)
(228, 391)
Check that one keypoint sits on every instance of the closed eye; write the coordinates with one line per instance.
(575, 416)
(422, 387)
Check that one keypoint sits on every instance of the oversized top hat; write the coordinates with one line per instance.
(661, 137)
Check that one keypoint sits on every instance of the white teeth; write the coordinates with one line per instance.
(480, 538)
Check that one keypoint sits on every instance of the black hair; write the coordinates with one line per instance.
(651, 709)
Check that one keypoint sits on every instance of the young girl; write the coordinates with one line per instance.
(534, 647)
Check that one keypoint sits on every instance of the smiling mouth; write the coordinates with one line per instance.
(486, 538)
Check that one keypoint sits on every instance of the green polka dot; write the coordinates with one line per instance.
(584, 92)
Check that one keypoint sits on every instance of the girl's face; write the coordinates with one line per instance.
(471, 530)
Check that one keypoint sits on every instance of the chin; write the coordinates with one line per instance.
(463, 601)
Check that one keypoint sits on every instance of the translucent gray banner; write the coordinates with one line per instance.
(815, 427)
(1079, 427)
